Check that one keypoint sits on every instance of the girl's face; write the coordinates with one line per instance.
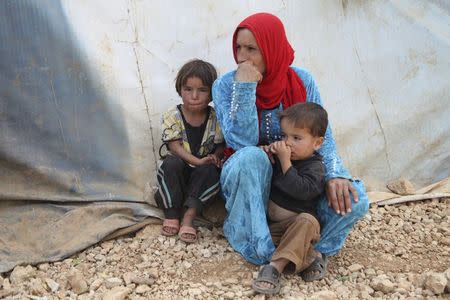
(247, 50)
(195, 95)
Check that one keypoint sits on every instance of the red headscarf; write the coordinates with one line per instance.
(280, 82)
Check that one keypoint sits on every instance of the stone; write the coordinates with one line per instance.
(383, 284)
(77, 282)
(324, 295)
(52, 285)
(96, 284)
(5, 293)
(20, 274)
(447, 274)
(436, 283)
(6, 284)
(401, 186)
(37, 287)
(44, 267)
(142, 280)
(168, 263)
(117, 293)
(404, 284)
(195, 292)
(142, 289)
(113, 282)
(445, 241)
(355, 268)
(127, 277)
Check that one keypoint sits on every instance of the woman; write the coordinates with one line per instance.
(247, 103)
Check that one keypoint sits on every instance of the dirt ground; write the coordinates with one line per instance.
(395, 252)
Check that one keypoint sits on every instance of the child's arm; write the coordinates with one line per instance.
(176, 147)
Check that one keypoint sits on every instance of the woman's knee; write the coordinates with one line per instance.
(250, 158)
(361, 207)
(254, 154)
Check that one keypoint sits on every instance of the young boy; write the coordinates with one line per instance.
(189, 175)
(298, 181)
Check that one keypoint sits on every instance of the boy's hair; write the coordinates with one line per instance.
(196, 68)
(307, 115)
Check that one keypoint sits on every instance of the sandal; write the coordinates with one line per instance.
(268, 274)
(188, 234)
(316, 270)
(170, 227)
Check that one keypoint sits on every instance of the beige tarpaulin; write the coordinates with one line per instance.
(34, 232)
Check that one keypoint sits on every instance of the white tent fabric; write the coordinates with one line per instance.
(383, 69)
(83, 85)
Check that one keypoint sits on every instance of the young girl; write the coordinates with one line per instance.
(189, 175)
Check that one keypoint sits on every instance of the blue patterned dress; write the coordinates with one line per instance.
(246, 175)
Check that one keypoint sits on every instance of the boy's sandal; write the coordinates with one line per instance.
(268, 274)
(316, 270)
(188, 234)
(170, 227)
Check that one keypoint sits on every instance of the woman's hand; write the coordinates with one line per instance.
(266, 149)
(247, 72)
(338, 194)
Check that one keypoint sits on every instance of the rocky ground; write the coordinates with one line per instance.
(395, 252)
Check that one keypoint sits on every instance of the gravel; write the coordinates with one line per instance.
(395, 252)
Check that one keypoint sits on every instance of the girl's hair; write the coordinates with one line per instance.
(196, 68)
(307, 115)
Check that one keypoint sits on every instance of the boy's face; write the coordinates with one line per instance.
(300, 140)
(195, 95)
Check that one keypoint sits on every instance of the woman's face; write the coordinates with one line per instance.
(247, 50)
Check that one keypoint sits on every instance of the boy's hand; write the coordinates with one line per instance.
(280, 149)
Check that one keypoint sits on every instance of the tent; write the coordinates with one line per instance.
(83, 86)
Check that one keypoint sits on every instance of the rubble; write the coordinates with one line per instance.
(395, 252)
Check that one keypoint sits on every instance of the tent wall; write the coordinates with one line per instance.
(383, 69)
